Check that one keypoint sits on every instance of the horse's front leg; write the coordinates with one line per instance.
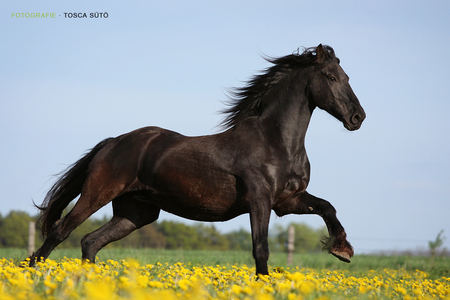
(305, 203)
(259, 221)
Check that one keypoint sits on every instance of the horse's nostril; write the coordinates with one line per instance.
(356, 119)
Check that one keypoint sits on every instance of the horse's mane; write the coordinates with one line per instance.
(249, 101)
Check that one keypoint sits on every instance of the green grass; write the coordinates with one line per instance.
(436, 267)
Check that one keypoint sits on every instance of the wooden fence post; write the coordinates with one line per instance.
(290, 244)
(31, 235)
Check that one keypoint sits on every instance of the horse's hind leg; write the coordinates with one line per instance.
(305, 203)
(91, 200)
(130, 213)
(63, 227)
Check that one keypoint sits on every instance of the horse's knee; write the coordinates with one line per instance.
(87, 242)
(261, 252)
(326, 208)
(89, 248)
(304, 203)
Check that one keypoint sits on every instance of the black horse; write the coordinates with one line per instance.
(256, 165)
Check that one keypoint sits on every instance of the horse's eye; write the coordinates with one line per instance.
(329, 76)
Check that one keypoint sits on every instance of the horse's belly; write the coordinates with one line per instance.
(201, 209)
(201, 198)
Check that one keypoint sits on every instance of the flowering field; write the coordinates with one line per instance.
(127, 279)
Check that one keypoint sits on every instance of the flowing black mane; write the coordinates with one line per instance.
(249, 101)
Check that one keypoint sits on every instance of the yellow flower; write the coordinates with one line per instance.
(142, 281)
(184, 284)
(264, 297)
(362, 289)
(401, 290)
(284, 287)
(236, 289)
(264, 278)
(49, 283)
(99, 291)
(156, 284)
(307, 287)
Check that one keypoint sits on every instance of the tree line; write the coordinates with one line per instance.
(165, 235)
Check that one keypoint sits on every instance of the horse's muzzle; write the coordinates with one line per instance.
(355, 121)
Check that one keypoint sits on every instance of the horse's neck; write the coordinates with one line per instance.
(290, 122)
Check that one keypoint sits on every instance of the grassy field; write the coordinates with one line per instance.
(141, 274)
(436, 267)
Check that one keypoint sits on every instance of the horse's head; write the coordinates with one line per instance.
(329, 90)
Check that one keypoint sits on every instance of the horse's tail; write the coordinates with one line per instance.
(65, 189)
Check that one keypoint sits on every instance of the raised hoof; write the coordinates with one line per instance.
(343, 256)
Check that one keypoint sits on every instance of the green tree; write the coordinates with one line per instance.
(438, 242)
(307, 239)
(14, 229)
(211, 238)
(179, 235)
(145, 237)
(239, 240)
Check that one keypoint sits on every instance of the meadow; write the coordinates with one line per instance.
(181, 274)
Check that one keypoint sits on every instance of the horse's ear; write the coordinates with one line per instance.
(320, 54)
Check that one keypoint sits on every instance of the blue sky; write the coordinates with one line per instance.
(68, 83)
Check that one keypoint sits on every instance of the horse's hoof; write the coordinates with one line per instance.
(343, 256)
